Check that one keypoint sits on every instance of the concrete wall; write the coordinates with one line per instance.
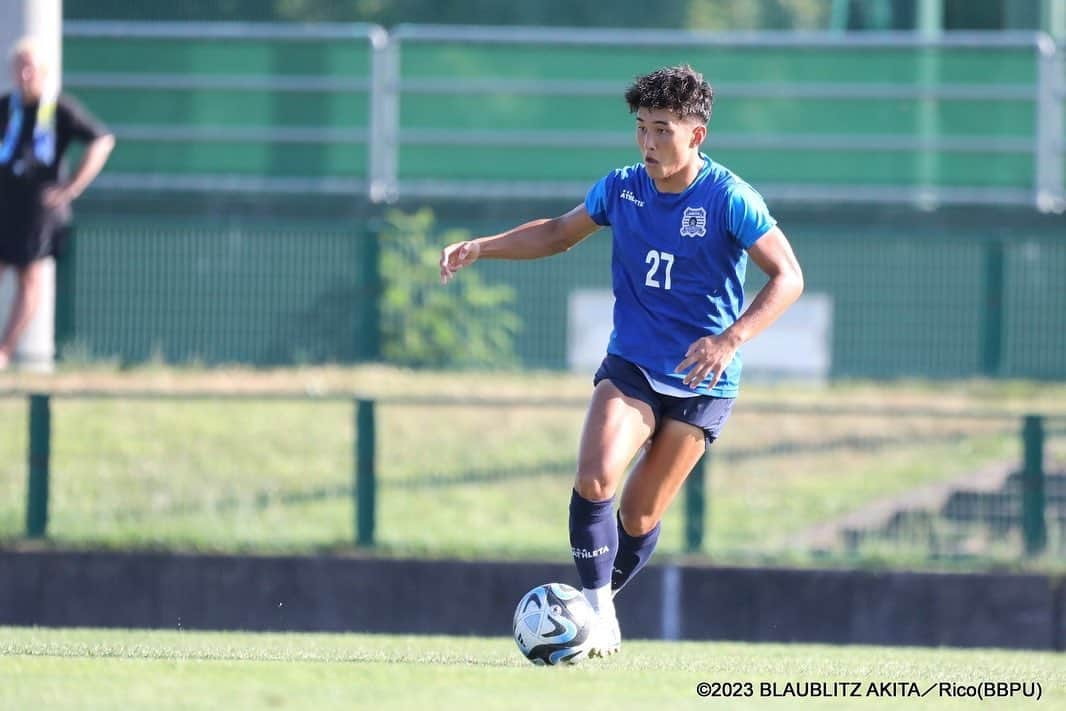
(449, 597)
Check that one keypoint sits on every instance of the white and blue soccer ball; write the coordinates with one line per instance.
(553, 625)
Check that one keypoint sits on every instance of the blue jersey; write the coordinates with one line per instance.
(677, 265)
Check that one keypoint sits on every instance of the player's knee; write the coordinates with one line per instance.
(637, 522)
(594, 485)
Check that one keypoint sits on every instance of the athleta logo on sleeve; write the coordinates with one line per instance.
(628, 195)
(694, 222)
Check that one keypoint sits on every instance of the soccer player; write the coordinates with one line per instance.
(683, 227)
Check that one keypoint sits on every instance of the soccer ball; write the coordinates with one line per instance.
(553, 625)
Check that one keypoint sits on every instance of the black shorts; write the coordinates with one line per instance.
(28, 233)
(707, 412)
(21, 252)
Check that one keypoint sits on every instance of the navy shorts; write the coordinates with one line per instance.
(707, 412)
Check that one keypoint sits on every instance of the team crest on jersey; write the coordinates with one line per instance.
(694, 222)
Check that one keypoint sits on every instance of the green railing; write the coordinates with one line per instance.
(428, 111)
(484, 477)
(242, 107)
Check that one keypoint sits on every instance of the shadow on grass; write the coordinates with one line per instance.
(269, 498)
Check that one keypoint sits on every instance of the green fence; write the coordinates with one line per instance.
(914, 300)
(909, 301)
(219, 106)
(998, 510)
(290, 472)
(429, 111)
(756, 14)
(249, 291)
(544, 109)
(452, 114)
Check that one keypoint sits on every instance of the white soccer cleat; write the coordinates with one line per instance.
(607, 636)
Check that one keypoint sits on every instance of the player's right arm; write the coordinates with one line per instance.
(532, 240)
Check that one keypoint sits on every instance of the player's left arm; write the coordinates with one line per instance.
(773, 254)
(711, 354)
(82, 126)
(92, 162)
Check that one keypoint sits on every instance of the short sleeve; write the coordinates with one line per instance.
(5, 111)
(596, 201)
(747, 215)
(83, 126)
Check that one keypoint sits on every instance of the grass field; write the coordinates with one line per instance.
(110, 669)
(269, 474)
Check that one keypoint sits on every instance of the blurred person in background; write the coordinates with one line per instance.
(683, 229)
(37, 125)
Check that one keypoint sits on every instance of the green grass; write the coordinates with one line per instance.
(89, 669)
(774, 501)
(465, 480)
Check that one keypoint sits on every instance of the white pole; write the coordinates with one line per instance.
(44, 20)
(1054, 19)
(930, 26)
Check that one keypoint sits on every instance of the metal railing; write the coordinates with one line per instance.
(417, 73)
(288, 86)
(263, 476)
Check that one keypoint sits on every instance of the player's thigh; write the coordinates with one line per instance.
(31, 275)
(616, 426)
(655, 480)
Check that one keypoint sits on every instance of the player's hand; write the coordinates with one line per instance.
(456, 256)
(56, 196)
(707, 356)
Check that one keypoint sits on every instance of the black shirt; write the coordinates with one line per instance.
(24, 177)
(73, 122)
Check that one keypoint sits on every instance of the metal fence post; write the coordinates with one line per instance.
(1034, 524)
(992, 316)
(365, 485)
(696, 503)
(369, 336)
(40, 446)
(66, 269)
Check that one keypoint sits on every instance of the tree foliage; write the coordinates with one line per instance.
(758, 14)
(466, 324)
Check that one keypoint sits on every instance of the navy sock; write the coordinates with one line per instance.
(633, 554)
(593, 539)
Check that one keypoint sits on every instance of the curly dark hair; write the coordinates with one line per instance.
(680, 89)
